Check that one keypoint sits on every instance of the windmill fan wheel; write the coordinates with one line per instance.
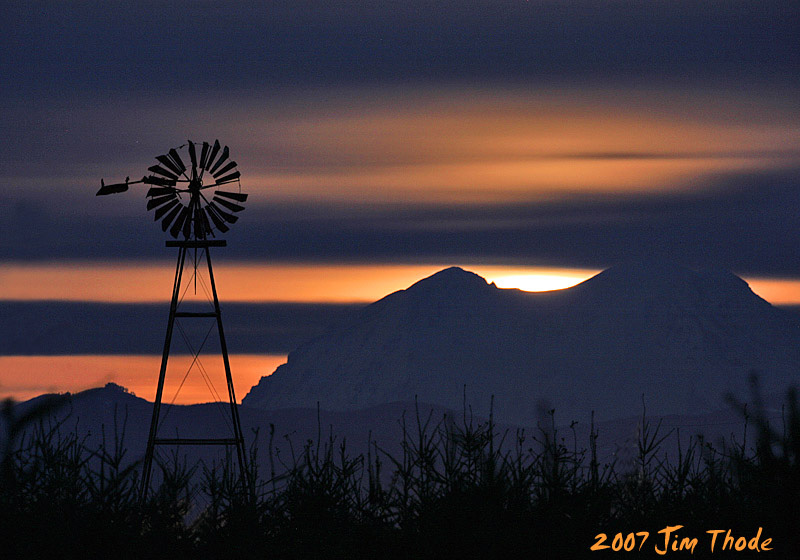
(182, 197)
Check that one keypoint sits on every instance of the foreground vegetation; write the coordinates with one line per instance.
(458, 489)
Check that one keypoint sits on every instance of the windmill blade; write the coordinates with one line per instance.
(224, 169)
(232, 206)
(173, 153)
(153, 180)
(187, 226)
(171, 216)
(202, 217)
(240, 197)
(212, 155)
(161, 171)
(166, 208)
(230, 218)
(221, 159)
(193, 157)
(160, 191)
(218, 222)
(169, 164)
(179, 221)
(111, 189)
(159, 200)
(226, 180)
(204, 155)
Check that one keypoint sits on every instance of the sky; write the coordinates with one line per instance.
(532, 142)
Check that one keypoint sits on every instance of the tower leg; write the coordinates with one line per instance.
(237, 425)
(148, 457)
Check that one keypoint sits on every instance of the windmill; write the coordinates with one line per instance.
(181, 198)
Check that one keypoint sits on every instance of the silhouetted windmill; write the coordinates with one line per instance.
(180, 198)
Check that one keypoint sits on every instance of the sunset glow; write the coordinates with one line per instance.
(777, 291)
(133, 282)
(318, 283)
(504, 144)
(544, 280)
(468, 145)
(24, 377)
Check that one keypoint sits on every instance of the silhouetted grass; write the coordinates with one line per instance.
(457, 489)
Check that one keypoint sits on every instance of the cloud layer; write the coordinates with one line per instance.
(200, 45)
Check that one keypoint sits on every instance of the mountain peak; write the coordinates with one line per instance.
(666, 279)
(110, 391)
(451, 279)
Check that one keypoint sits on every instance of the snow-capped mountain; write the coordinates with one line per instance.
(677, 339)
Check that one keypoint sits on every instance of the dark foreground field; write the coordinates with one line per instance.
(457, 489)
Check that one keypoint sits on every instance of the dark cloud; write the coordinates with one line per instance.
(68, 47)
(74, 328)
(744, 222)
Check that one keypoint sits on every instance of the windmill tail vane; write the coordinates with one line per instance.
(180, 196)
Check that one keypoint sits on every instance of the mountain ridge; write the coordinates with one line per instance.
(681, 338)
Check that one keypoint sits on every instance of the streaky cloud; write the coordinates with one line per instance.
(742, 222)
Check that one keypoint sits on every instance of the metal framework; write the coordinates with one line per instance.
(237, 439)
(181, 198)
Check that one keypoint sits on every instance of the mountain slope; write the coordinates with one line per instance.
(680, 338)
